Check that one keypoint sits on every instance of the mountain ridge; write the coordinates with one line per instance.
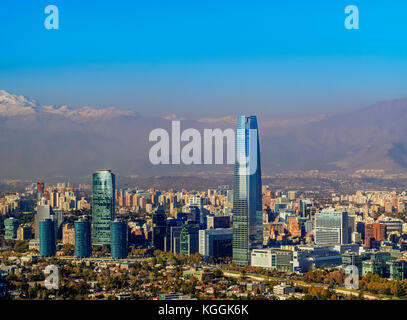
(40, 141)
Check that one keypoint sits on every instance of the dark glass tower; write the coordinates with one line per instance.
(159, 229)
(189, 239)
(103, 206)
(83, 247)
(47, 238)
(247, 193)
(171, 226)
(119, 239)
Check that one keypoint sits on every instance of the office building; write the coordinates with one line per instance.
(103, 206)
(159, 229)
(216, 242)
(393, 226)
(283, 289)
(360, 228)
(68, 234)
(194, 214)
(189, 239)
(10, 228)
(119, 247)
(40, 191)
(24, 232)
(331, 227)
(353, 259)
(395, 270)
(43, 212)
(374, 232)
(356, 237)
(174, 239)
(376, 263)
(296, 258)
(83, 248)
(218, 222)
(305, 208)
(281, 260)
(196, 206)
(247, 196)
(47, 238)
(172, 235)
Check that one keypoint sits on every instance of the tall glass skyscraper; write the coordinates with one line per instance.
(103, 206)
(83, 247)
(47, 238)
(247, 193)
(119, 239)
(43, 212)
(159, 229)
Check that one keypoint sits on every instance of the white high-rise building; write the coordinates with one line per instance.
(331, 227)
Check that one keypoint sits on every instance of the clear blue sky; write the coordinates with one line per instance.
(209, 57)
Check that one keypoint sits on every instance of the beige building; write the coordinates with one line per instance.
(68, 234)
(283, 289)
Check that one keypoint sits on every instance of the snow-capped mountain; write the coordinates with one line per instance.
(47, 141)
(12, 105)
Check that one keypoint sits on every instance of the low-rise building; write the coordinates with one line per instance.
(283, 289)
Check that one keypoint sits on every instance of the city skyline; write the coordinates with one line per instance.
(227, 154)
(303, 233)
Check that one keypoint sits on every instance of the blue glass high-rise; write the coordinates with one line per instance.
(47, 238)
(119, 248)
(247, 192)
(83, 247)
(103, 206)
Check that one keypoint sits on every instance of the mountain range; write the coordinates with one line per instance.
(41, 141)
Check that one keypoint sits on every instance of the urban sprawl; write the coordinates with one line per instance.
(246, 241)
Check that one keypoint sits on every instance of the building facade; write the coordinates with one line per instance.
(103, 206)
(331, 227)
(189, 239)
(43, 212)
(247, 196)
(119, 247)
(24, 232)
(374, 232)
(10, 228)
(159, 229)
(216, 242)
(83, 248)
(47, 238)
(217, 222)
(68, 234)
(172, 235)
